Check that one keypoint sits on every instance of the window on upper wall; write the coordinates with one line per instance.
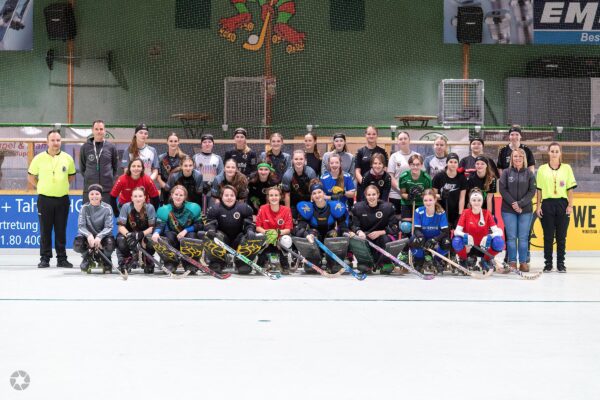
(347, 15)
(192, 14)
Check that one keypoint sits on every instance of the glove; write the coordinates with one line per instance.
(272, 236)
(255, 202)
(210, 235)
(418, 242)
(131, 239)
(251, 234)
(416, 191)
(486, 242)
(430, 244)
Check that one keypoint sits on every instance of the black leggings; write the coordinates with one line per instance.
(555, 223)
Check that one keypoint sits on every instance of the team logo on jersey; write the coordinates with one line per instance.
(91, 157)
(511, 179)
(338, 206)
(236, 215)
(296, 186)
(381, 182)
(306, 209)
(378, 214)
(280, 222)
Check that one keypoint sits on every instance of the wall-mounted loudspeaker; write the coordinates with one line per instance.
(469, 28)
(60, 21)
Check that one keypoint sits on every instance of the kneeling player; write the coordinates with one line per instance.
(95, 229)
(274, 220)
(178, 219)
(322, 219)
(136, 220)
(431, 232)
(231, 222)
(474, 226)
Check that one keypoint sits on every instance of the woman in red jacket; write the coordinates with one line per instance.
(476, 226)
(274, 220)
(133, 177)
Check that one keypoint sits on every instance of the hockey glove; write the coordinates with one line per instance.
(430, 244)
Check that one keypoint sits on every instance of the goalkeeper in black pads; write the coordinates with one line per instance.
(95, 226)
(375, 220)
(231, 222)
(136, 220)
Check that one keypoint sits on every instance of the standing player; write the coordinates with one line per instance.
(245, 158)
(483, 179)
(209, 165)
(514, 137)
(468, 163)
(313, 158)
(296, 182)
(376, 176)
(397, 165)
(230, 177)
(50, 173)
(275, 156)
(190, 179)
(133, 177)
(98, 162)
(338, 185)
(451, 189)
(363, 156)
(140, 150)
(258, 183)
(169, 163)
(338, 147)
(436, 163)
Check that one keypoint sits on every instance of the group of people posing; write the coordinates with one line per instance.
(442, 202)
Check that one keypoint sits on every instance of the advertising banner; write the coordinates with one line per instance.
(524, 21)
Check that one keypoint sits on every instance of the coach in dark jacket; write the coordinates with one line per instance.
(517, 187)
(98, 162)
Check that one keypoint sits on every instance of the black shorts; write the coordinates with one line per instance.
(397, 205)
(407, 212)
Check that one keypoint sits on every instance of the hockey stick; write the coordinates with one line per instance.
(110, 264)
(160, 265)
(190, 260)
(459, 267)
(523, 275)
(263, 33)
(412, 232)
(335, 258)
(426, 277)
(311, 265)
(256, 267)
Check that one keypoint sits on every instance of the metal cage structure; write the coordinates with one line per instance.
(461, 101)
(245, 104)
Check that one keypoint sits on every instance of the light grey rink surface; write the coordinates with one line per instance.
(302, 337)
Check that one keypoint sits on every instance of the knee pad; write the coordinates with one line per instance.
(108, 243)
(418, 253)
(332, 234)
(458, 243)
(122, 243)
(497, 243)
(80, 245)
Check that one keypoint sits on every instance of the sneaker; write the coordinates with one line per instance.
(64, 263)
(44, 263)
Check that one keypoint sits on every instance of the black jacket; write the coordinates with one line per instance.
(103, 172)
(517, 185)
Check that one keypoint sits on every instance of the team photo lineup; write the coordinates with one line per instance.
(275, 213)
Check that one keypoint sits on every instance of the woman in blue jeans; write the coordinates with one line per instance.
(517, 187)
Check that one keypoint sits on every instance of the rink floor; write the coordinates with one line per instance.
(303, 337)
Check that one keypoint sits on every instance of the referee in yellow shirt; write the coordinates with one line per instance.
(555, 183)
(51, 172)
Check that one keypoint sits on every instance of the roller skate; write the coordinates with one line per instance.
(228, 26)
(428, 264)
(438, 267)
(285, 33)
(85, 264)
(486, 265)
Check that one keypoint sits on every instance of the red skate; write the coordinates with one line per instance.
(231, 24)
(295, 39)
